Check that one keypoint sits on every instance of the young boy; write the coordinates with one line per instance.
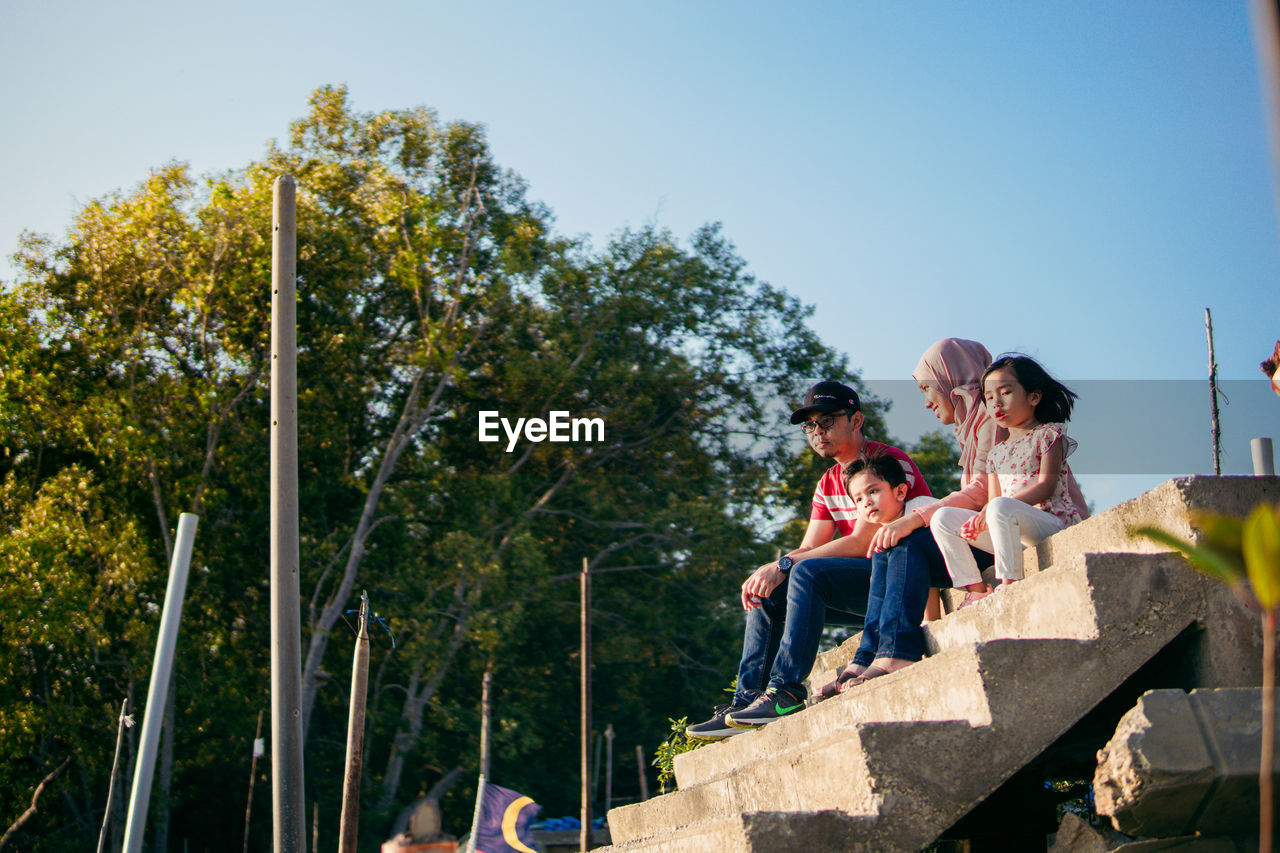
(890, 642)
(825, 579)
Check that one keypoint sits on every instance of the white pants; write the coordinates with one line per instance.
(1011, 526)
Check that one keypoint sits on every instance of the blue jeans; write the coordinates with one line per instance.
(782, 635)
(900, 581)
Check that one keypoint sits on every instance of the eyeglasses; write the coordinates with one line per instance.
(824, 423)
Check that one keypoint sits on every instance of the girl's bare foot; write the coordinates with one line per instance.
(843, 676)
(879, 667)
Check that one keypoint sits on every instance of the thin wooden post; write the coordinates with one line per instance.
(584, 837)
(644, 777)
(125, 721)
(288, 806)
(485, 714)
(1266, 768)
(253, 775)
(608, 767)
(486, 686)
(347, 832)
(595, 770)
(1213, 397)
(158, 690)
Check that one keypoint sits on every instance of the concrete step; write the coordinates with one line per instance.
(1169, 505)
(872, 772)
(1080, 599)
(978, 710)
(1005, 679)
(760, 831)
(944, 687)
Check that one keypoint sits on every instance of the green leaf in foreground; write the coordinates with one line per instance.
(1204, 558)
(1261, 543)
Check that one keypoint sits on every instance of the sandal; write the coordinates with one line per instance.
(867, 674)
(845, 673)
(974, 596)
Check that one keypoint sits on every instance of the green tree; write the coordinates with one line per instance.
(66, 659)
(430, 289)
(938, 458)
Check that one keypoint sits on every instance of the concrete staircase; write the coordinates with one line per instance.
(892, 764)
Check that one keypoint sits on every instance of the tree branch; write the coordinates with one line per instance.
(31, 811)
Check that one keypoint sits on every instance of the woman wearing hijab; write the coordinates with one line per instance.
(949, 375)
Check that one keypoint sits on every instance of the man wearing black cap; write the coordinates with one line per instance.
(826, 579)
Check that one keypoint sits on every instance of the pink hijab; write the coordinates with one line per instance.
(955, 366)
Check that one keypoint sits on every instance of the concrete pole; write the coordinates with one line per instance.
(288, 806)
(348, 830)
(1266, 42)
(1264, 460)
(584, 837)
(159, 688)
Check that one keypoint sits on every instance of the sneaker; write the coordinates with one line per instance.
(773, 703)
(717, 727)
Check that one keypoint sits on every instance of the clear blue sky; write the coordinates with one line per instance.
(1077, 181)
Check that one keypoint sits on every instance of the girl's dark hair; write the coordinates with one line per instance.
(883, 465)
(1056, 399)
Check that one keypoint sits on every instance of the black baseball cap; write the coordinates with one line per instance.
(827, 397)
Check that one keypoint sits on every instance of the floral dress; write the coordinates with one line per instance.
(1016, 462)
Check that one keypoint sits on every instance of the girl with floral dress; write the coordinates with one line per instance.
(1032, 492)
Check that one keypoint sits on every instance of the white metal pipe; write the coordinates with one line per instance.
(158, 692)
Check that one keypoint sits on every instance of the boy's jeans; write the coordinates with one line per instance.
(900, 581)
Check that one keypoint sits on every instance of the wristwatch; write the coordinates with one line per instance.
(785, 564)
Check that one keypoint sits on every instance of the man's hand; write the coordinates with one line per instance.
(892, 533)
(974, 526)
(762, 582)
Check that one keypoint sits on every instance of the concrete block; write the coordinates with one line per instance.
(1191, 844)
(762, 832)
(1168, 505)
(943, 687)
(1182, 763)
(1075, 835)
(1005, 679)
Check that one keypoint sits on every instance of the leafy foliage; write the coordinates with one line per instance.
(1220, 551)
(430, 289)
(1261, 546)
(938, 458)
(677, 743)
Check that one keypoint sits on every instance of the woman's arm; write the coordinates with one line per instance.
(971, 528)
(972, 496)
